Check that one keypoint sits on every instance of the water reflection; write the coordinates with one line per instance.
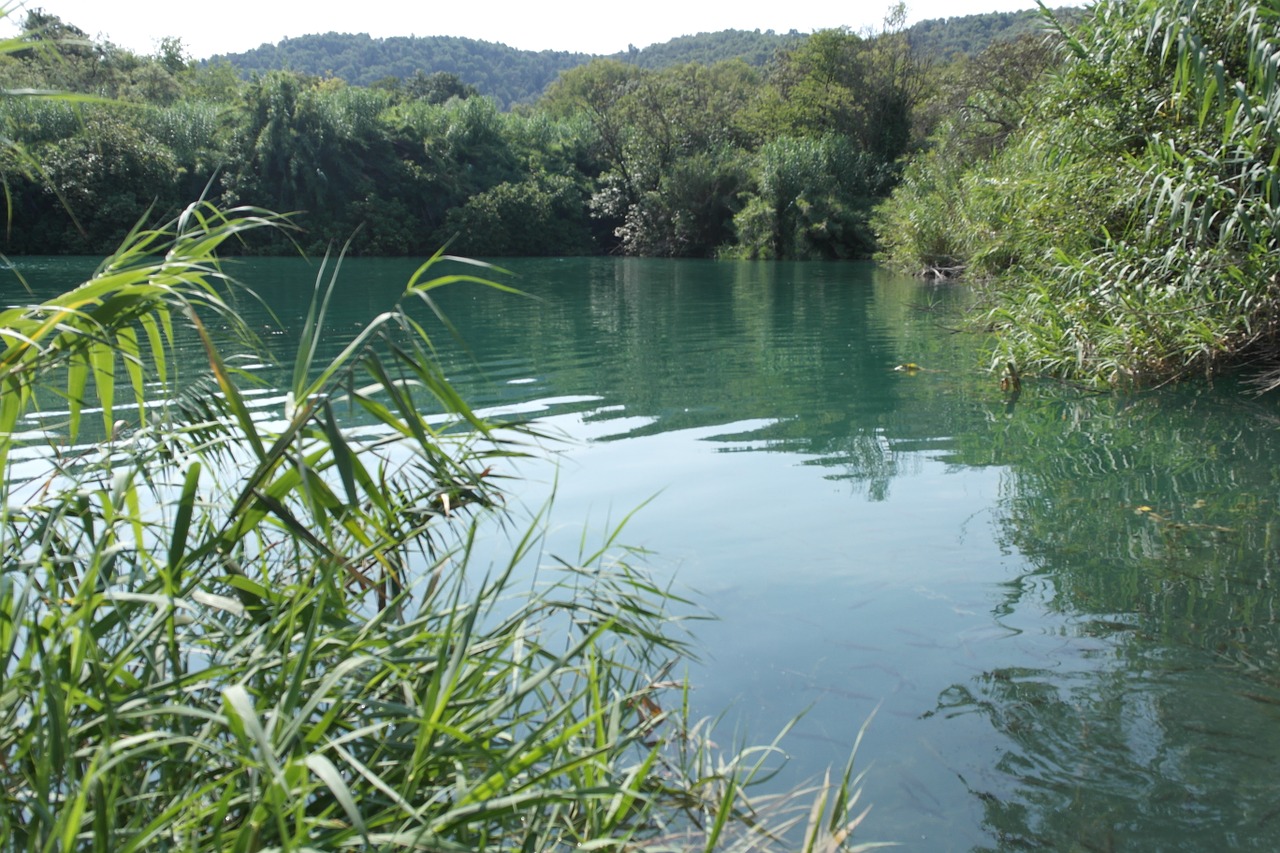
(1147, 525)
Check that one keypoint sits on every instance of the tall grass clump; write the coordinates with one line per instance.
(229, 626)
(1191, 280)
(1143, 202)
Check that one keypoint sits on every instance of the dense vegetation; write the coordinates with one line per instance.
(1121, 192)
(506, 74)
(690, 160)
(969, 35)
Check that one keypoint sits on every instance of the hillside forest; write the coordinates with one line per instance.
(1106, 175)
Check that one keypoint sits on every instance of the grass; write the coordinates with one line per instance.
(1129, 226)
(220, 632)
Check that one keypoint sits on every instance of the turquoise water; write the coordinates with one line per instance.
(1058, 613)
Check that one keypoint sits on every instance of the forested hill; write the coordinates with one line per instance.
(512, 76)
(946, 38)
(508, 75)
(752, 46)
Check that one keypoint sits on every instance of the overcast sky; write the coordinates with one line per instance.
(232, 26)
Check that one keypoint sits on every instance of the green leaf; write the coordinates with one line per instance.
(327, 773)
(127, 347)
(182, 521)
(102, 358)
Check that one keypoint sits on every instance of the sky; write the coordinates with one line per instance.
(586, 26)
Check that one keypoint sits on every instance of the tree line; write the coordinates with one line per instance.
(690, 160)
(1110, 177)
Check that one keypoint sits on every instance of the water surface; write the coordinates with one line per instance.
(1061, 610)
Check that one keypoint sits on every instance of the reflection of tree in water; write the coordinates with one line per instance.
(869, 459)
(1115, 760)
(1156, 724)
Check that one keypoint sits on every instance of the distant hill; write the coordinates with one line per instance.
(508, 75)
(946, 38)
(752, 46)
(512, 76)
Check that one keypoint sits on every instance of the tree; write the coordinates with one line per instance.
(314, 146)
(815, 88)
(837, 82)
(44, 30)
(813, 200)
(689, 214)
(109, 176)
(1133, 211)
(541, 216)
(669, 146)
(438, 87)
(172, 55)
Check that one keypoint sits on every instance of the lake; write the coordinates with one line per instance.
(1061, 610)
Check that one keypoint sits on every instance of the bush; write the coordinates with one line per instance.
(1132, 220)
(813, 200)
(544, 216)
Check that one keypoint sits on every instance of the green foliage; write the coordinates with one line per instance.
(986, 98)
(448, 153)
(837, 82)
(690, 213)
(507, 75)
(437, 87)
(213, 81)
(816, 88)
(668, 143)
(515, 77)
(1190, 279)
(111, 167)
(313, 146)
(1012, 212)
(531, 218)
(663, 157)
(753, 47)
(971, 35)
(919, 229)
(36, 121)
(1135, 209)
(813, 200)
(59, 56)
